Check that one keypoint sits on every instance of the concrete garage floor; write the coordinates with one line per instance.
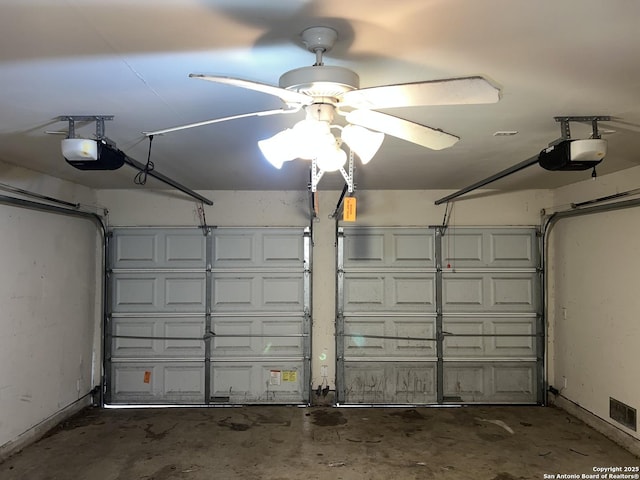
(286, 443)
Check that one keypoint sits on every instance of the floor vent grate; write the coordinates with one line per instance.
(622, 413)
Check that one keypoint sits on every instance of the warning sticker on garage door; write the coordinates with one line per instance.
(289, 376)
(276, 377)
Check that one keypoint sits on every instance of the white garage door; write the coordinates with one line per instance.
(434, 315)
(492, 322)
(208, 316)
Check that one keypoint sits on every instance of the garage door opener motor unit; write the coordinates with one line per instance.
(573, 154)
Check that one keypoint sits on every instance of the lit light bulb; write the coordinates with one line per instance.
(309, 136)
(331, 159)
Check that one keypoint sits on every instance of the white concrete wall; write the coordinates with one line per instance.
(48, 309)
(594, 300)
(379, 208)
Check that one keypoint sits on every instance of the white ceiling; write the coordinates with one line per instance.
(131, 59)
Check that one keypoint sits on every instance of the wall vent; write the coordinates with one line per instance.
(622, 413)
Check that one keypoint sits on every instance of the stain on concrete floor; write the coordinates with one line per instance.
(328, 417)
(287, 443)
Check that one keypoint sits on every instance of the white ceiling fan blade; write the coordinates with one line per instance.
(404, 129)
(264, 113)
(287, 96)
(452, 91)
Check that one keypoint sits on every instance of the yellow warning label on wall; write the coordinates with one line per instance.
(289, 376)
(349, 212)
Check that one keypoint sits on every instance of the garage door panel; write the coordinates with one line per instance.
(153, 382)
(258, 292)
(183, 337)
(158, 337)
(411, 248)
(490, 248)
(490, 292)
(464, 293)
(140, 335)
(465, 382)
(282, 248)
(490, 382)
(246, 383)
(159, 292)
(183, 381)
(251, 336)
(255, 248)
(513, 293)
(364, 337)
(386, 383)
(185, 293)
(385, 248)
(364, 292)
(464, 248)
(464, 345)
(137, 250)
(493, 337)
(511, 249)
(514, 381)
(150, 248)
(386, 337)
(366, 247)
(282, 292)
(411, 292)
(524, 344)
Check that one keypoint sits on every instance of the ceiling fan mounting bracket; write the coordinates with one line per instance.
(319, 38)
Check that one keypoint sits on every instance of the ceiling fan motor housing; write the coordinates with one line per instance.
(321, 81)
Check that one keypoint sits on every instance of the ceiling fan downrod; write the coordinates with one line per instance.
(319, 40)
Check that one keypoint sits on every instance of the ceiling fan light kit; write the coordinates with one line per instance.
(324, 91)
(309, 139)
(365, 143)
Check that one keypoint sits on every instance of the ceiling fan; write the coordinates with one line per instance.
(324, 91)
